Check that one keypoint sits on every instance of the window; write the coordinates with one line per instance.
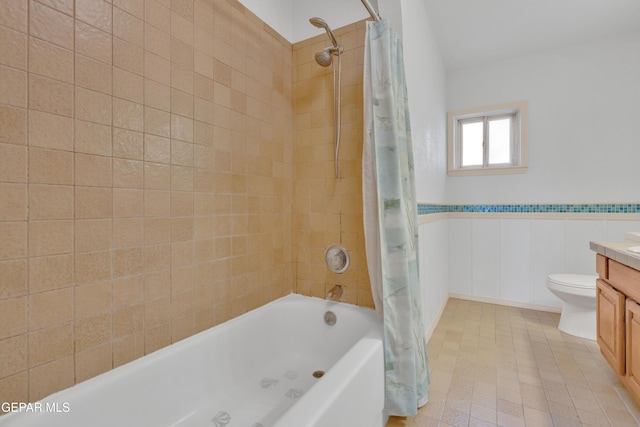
(488, 140)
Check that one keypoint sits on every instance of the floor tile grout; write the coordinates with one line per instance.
(494, 365)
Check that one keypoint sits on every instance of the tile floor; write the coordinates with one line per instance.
(493, 365)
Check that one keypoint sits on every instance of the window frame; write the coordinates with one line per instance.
(519, 141)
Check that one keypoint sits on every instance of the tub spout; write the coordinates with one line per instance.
(335, 293)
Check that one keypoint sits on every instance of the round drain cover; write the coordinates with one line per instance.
(318, 374)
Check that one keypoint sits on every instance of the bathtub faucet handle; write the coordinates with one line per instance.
(335, 293)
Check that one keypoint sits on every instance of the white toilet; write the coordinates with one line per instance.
(578, 294)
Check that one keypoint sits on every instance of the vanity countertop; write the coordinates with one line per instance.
(617, 251)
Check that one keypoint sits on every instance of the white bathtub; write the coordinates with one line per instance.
(252, 371)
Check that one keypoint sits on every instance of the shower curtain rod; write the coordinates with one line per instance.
(371, 10)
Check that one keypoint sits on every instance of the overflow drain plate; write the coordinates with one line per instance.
(337, 259)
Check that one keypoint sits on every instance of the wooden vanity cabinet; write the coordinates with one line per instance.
(610, 310)
(618, 320)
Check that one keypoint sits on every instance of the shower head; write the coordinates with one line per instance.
(321, 23)
(324, 57)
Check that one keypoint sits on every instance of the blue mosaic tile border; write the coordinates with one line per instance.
(602, 208)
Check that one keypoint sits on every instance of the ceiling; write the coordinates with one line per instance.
(473, 32)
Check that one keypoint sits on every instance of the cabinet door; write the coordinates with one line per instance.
(610, 325)
(633, 348)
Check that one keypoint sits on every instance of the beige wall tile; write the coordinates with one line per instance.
(157, 312)
(51, 61)
(50, 273)
(94, 361)
(51, 25)
(50, 131)
(93, 171)
(13, 87)
(157, 257)
(92, 234)
(64, 6)
(128, 115)
(134, 7)
(13, 204)
(93, 331)
(157, 68)
(13, 45)
(46, 345)
(93, 42)
(13, 125)
(128, 173)
(51, 377)
(128, 320)
(50, 237)
(50, 308)
(51, 202)
(14, 351)
(128, 144)
(127, 232)
(157, 203)
(93, 299)
(93, 106)
(128, 27)
(92, 202)
(128, 348)
(157, 337)
(92, 267)
(128, 262)
(96, 13)
(85, 245)
(128, 57)
(14, 239)
(182, 103)
(128, 291)
(157, 95)
(158, 15)
(13, 317)
(13, 14)
(13, 278)
(182, 129)
(13, 163)
(50, 166)
(15, 388)
(127, 203)
(127, 85)
(157, 122)
(92, 138)
(92, 74)
(50, 96)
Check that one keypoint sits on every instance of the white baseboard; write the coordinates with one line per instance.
(434, 324)
(517, 304)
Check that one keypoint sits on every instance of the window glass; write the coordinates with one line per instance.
(472, 136)
(500, 141)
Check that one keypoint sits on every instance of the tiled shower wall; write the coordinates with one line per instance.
(329, 210)
(146, 173)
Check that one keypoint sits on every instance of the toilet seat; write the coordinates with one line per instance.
(581, 281)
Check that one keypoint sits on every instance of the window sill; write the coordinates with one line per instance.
(508, 170)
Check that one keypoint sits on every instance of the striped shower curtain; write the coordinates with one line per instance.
(390, 221)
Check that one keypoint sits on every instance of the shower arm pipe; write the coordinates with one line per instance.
(371, 10)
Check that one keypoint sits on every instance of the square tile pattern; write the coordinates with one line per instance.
(494, 365)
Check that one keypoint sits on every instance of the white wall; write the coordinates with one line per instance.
(434, 272)
(290, 18)
(426, 85)
(509, 259)
(584, 132)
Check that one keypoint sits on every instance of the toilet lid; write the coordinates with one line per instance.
(574, 280)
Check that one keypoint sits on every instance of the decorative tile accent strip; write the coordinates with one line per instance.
(618, 208)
